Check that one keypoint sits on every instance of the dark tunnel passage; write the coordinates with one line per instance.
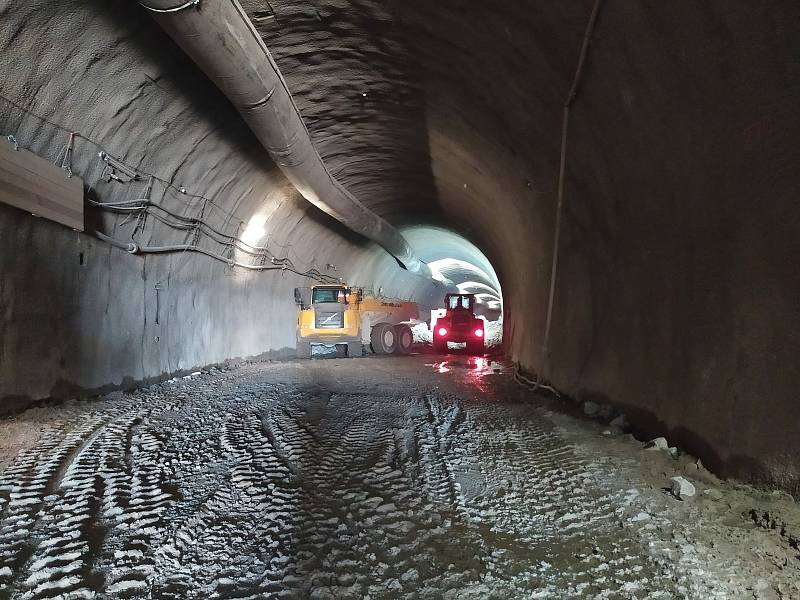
(170, 174)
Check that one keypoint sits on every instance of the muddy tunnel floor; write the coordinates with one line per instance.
(401, 477)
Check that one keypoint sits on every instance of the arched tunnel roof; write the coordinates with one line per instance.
(452, 257)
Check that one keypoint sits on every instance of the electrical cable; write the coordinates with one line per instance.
(531, 384)
(131, 206)
(134, 248)
(130, 247)
(570, 99)
(174, 9)
(227, 240)
(191, 223)
(168, 185)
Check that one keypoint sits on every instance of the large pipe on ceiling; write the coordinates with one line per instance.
(219, 37)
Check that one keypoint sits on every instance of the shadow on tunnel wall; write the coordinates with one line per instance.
(179, 76)
(370, 129)
(647, 425)
(359, 86)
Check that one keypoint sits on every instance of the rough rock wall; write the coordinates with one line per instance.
(678, 295)
(79, 315)
(470, 97)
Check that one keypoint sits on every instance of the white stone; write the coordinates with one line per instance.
(682, 488)
(410, 576)
(658, 443)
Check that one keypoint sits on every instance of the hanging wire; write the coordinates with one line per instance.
(570, 99)
(185, 5)
(66, 162)
(144, 207)
(168, 185)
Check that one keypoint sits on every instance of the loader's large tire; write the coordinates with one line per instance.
(405, 338)
(303, 349)
(355, 349)
(439, 345)
(383, 338)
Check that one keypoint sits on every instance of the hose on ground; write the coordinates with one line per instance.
(531, 384)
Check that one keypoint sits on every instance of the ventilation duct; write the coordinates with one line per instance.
(220, 38)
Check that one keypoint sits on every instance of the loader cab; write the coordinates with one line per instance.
(329, 315)
(457, 302)
(326, 295)
(459, 325)
(308, 298)
(338, 294)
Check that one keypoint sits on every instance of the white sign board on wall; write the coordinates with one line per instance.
(36, 186)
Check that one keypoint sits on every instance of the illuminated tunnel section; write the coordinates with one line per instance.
(454, 259)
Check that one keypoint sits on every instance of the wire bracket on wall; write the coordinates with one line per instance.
(117, 170)
(149, 189)
(231, 247)
(141, 219)
(260, 17)
(157, 287)
(197, 231)
(66, 161)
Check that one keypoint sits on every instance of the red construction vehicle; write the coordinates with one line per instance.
(459, 324)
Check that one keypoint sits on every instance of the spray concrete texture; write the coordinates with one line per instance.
(676, 295)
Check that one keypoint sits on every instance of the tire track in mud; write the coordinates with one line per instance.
(434, 438)
(67, 495)
(541, 508)
(57, 508)
(242, 487)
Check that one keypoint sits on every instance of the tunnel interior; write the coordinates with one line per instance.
(675, 299)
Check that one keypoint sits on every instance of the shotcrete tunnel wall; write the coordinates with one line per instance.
(678, 286)
(677, 290)
(82, 316)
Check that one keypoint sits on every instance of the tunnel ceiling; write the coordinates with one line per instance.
(404, 102)
(407, 105)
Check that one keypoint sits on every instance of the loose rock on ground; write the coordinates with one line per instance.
(402, 477)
